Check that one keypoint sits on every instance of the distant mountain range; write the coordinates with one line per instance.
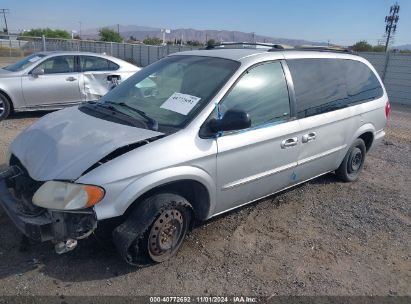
(141, 32)
(403, 47)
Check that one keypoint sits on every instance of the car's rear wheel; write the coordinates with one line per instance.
(5, 106)
(353, 162)
(155, 229)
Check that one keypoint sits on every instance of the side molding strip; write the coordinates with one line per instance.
(314, 157)
(258, 176)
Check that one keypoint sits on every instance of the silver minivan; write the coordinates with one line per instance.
(218, 129)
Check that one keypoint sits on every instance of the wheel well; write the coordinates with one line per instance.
(11, 101)
(195, 192)
(368, 138)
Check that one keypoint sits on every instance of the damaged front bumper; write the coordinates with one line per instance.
(60, 227)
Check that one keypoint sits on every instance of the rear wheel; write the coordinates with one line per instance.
(353, 162)
(154, 230)
(5, 106)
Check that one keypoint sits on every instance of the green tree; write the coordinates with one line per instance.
(109, 35)
(193, 43)
(48, 33)
(378, 48)
(152, 40)
(210, 42)
(132, 39)
(362, 46)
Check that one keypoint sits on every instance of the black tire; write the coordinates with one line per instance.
(154, 230)
(5, 106)
(353, 162)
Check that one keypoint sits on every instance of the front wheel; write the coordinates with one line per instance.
(353, 162)
(154, 230)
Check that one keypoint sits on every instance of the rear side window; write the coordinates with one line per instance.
(261, 92)
(362, 84)
(319, 85)
(324, 85)
(92, 64)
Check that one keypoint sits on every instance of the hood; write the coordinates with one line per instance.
(63, 144)
(6, 73)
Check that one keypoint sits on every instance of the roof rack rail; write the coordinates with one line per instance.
(281, 47)
(222, 44)
(321, 48)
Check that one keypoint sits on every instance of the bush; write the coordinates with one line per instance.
(48, 33)
(109, 35)
(152, 40)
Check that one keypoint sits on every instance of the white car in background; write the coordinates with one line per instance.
(53, 80)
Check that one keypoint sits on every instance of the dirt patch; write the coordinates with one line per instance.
(322, 238)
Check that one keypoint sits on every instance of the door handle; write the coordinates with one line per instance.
(286, 143)
(309, 137)
(71, 78)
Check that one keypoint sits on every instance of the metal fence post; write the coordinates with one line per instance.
(10, 46)
(43, 39)
(140, 54)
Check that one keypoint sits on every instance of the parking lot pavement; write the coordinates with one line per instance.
(322, 238)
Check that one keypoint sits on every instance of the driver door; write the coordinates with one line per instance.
(58, 86)
(258, 161)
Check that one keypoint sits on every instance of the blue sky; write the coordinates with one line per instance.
(343, 22)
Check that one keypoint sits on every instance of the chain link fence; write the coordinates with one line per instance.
(394, 68)
(139, 54)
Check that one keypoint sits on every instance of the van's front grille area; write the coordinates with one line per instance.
(23, 187)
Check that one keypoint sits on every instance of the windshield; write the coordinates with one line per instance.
(24, 63)
(170, 92)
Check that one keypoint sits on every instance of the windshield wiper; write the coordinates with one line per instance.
(111, 111)
(153, 123)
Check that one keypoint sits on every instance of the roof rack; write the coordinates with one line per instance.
(222, 44)
(320, 48)
(282, 47)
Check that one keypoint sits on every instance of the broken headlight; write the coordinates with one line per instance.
(67, 196)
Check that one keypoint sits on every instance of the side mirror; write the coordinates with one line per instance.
(231, 121)
(37, 72)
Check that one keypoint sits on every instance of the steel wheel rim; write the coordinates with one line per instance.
(166, 235)
(355, 160)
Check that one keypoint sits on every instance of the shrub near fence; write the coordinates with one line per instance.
(394, 68)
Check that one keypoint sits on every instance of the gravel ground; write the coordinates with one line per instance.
(322, 238)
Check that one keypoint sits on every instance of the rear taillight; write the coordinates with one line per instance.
(387, 109)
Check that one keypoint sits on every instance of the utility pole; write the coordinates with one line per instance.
(164, 32)
(118, 29)
(391, 23)
(80, 29)
(5, 11)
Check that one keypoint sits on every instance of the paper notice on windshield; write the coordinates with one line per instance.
(34, 59)
(180, 103)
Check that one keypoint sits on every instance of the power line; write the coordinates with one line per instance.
(5, 11)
